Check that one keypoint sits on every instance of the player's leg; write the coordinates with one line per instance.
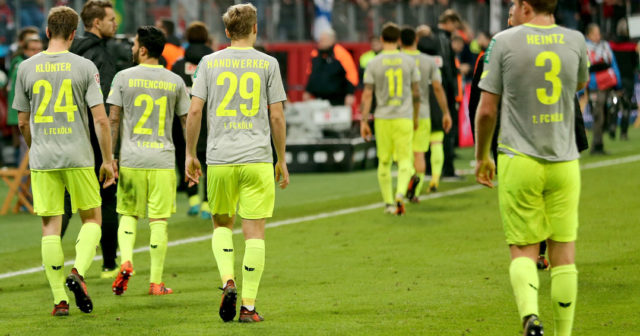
(402, 143)
(162, 200)
(599, 111)
(437, 159)
(109, 232)
(525, 225)
(48, 202)
(421, 139)
(561, 206)
(85, 195)
(542, 262)
(256, 201)
(384, 148)
(222, 188)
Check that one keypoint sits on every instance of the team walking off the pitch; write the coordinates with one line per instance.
(244, 96)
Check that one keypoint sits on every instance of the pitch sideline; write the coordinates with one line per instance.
(588, 166)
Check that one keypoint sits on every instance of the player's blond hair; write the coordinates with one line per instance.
(239, 20)
(62, 21)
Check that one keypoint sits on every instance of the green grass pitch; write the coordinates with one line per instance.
(441, 270)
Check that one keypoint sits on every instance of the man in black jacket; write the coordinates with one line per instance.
(197, 35)
(100, 25)
(438, 44)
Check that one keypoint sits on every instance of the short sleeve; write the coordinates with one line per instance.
(199, 88)
(491, 78)
(436, 76)
(275, 88)
(115, 94)
(182, 100)
(21, 98)
(368, 74)
(93, 96)
(583, 67)
(415, 74)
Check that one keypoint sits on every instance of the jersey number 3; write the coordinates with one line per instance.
(551, 76)
(253, 95)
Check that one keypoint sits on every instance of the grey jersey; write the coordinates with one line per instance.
(429, 72)
(57, 88)
(536, 70)
(150, 96)
(238, 84)
(391, 73)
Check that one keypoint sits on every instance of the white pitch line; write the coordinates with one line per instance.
(593, 165)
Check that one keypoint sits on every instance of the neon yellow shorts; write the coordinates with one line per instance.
(142, 189)
(248, 187)
(394, 139)
(422, 136)
(538, 199)
(48, 190)
(436, 137)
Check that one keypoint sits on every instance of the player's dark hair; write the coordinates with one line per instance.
(153, 39)
(168, 26)
(390, 32)
(62, 21)
(94, 9)
(197, 32)
(541, 6)
(407, 36)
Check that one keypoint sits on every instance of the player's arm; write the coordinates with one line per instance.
(441, 97)
(415, 95)
(183, 122)
(367, 98)
(193, 169)
(485, 125)
(279, 135)
(101, 124)
(25, 128)
(114, 119)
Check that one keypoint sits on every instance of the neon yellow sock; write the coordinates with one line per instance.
(158, 249)
(194, 200)
(437, 161)
(384, 180)
(53, 261)
(420, 184)
(86, 245)
(127, 238)
(524, 280)
(222, 245)
(564, 291)
(252, 268)
(404, 175)
(205, 207)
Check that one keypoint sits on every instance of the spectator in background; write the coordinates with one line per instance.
(100, 25)
(604, 76)
(333, 74)
(26, 34)
(568, 13)
(172, 49)
(463, 53)
(626, 56)
(31, 13)
(7, 24)
(198, 36)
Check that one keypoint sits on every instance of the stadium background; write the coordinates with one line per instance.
(338, 266)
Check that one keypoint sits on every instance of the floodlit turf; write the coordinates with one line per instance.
(441, 270)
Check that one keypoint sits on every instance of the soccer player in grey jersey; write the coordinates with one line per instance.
(53, 90)
(239, 84)
(538, 160)
(149, 96)
(394, 78)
